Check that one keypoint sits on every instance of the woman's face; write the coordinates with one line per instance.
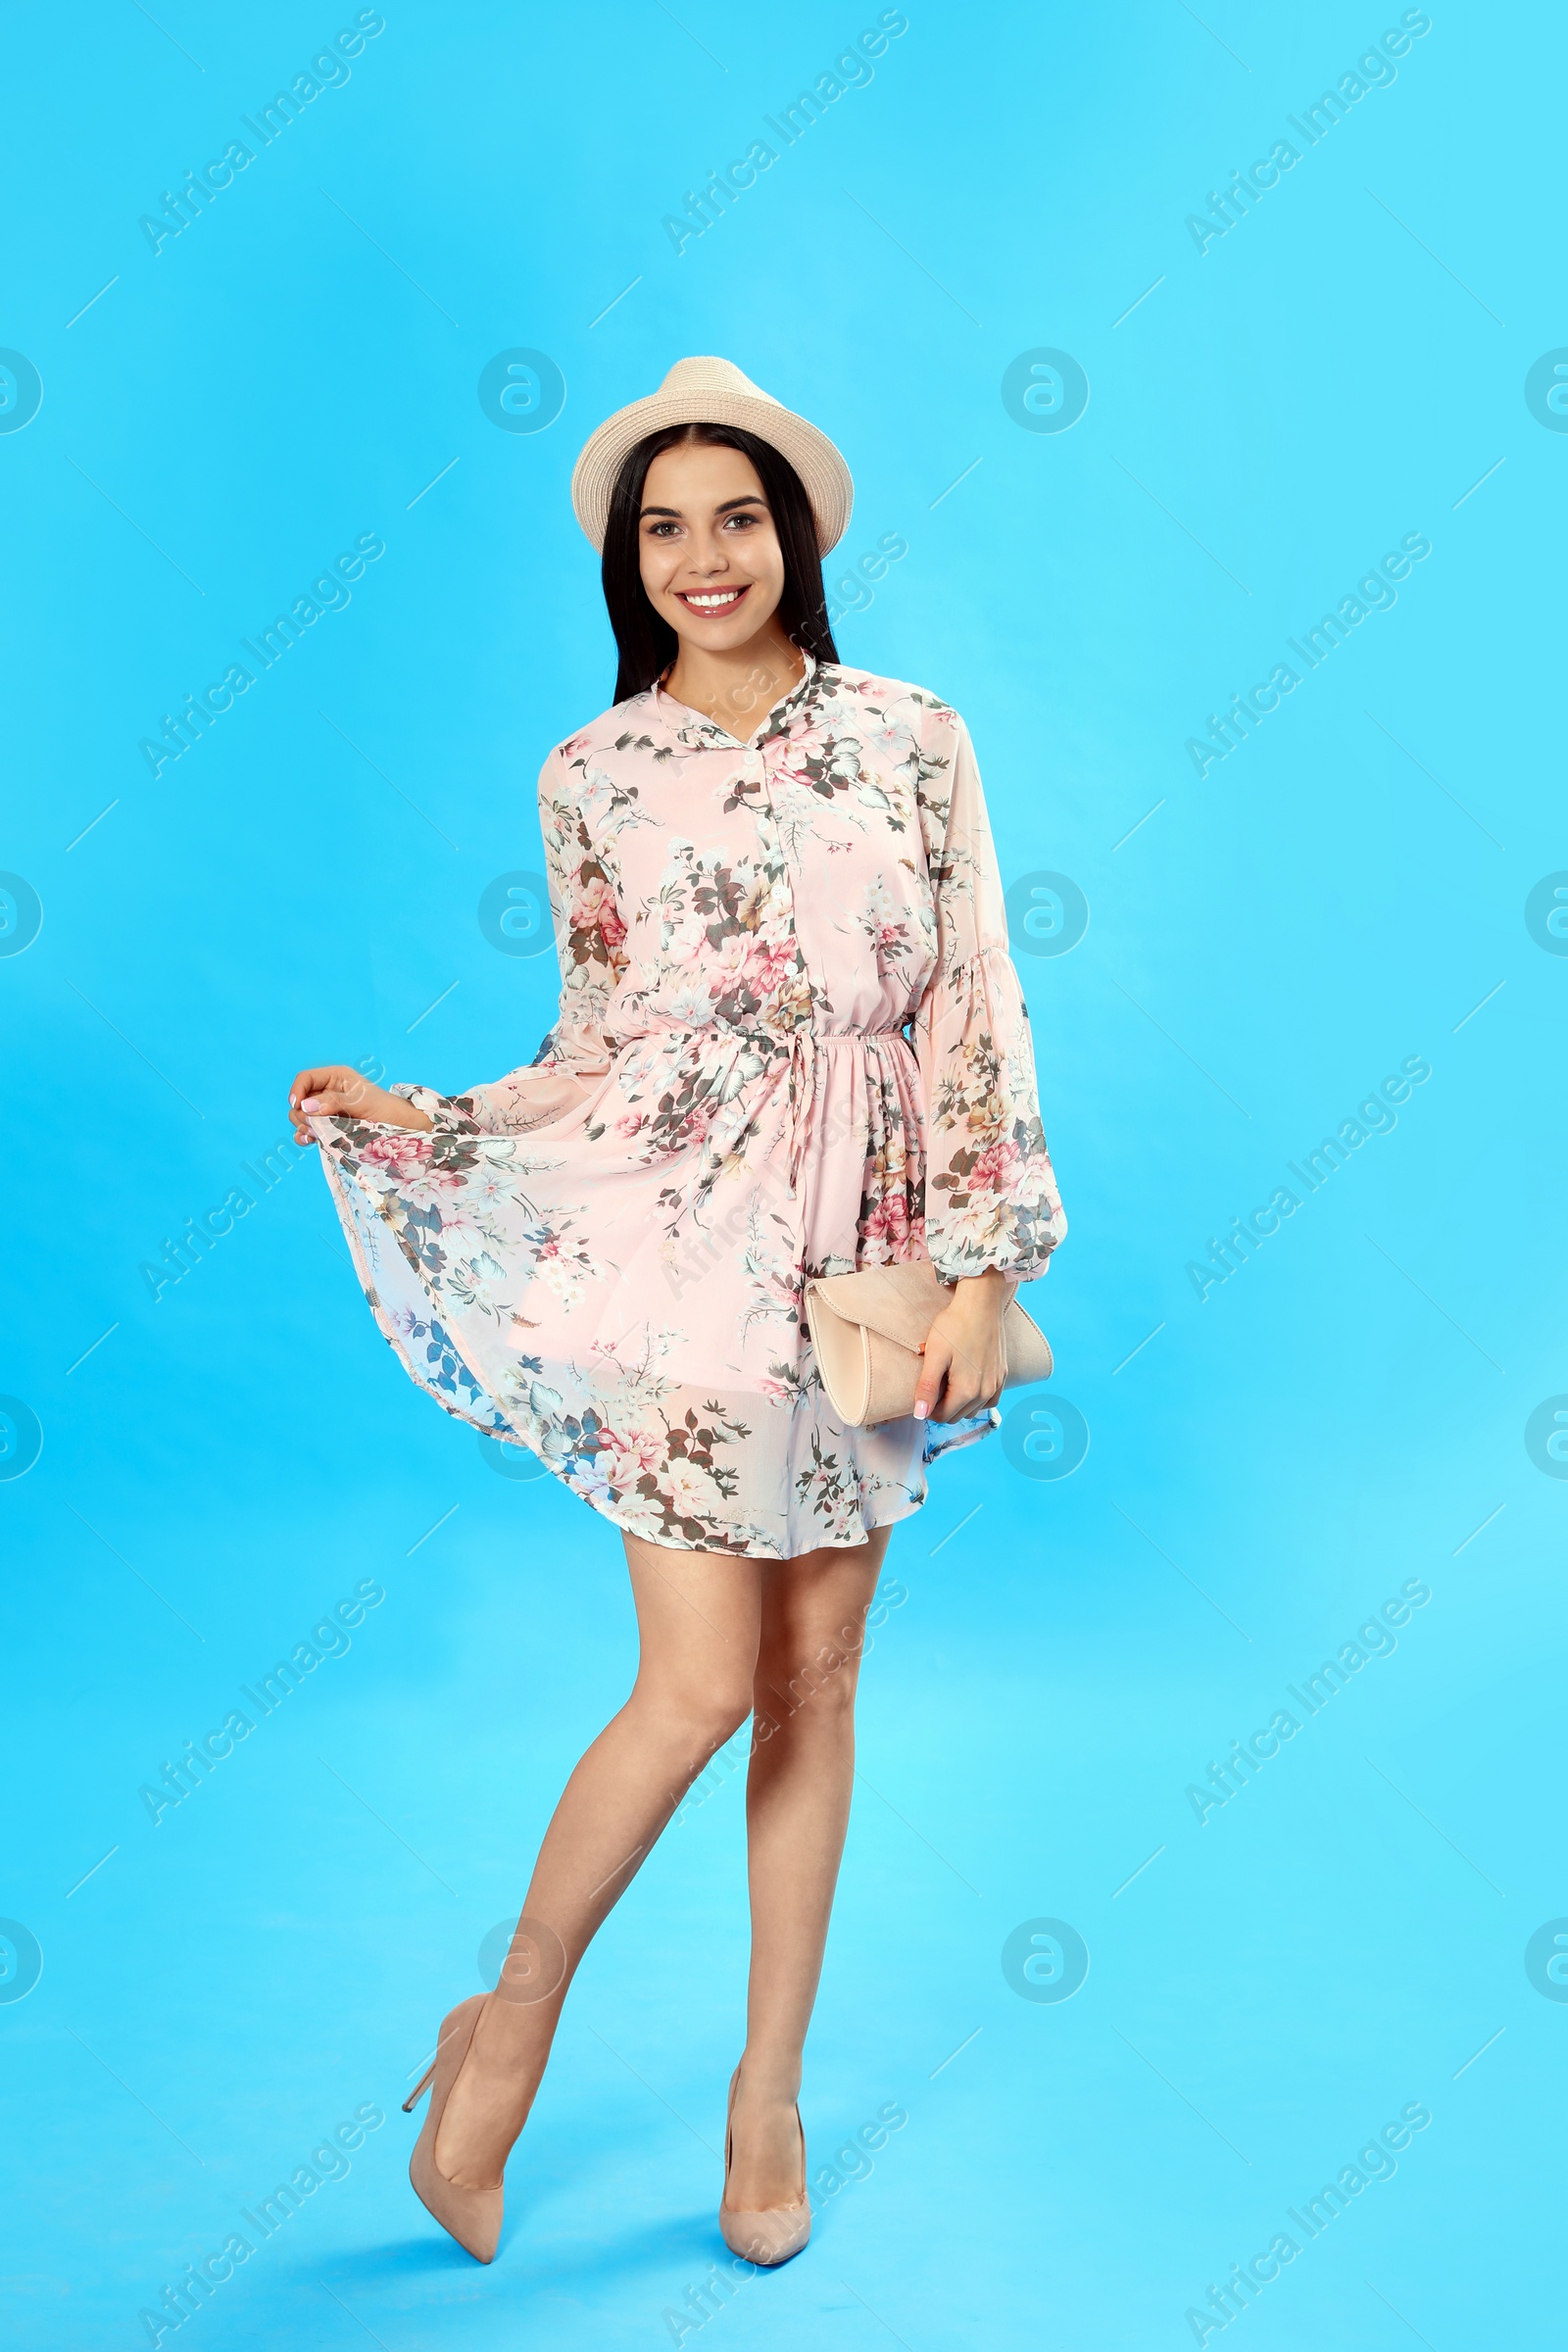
(709, 553)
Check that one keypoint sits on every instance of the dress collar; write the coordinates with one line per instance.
(677, 713)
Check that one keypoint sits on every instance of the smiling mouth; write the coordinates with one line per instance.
(712, 602)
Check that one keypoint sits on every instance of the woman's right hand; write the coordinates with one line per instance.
(337, 1091)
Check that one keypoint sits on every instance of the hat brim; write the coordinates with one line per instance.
(823, 473)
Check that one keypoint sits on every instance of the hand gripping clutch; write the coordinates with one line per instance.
(868, 1328)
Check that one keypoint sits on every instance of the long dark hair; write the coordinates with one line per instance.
(646, 641)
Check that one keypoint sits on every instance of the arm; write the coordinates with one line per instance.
(590, 941)
(992, 1212)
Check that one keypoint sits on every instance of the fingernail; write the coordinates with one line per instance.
(920, 1412)
(312, 1102)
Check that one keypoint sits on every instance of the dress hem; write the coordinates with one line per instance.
(718, 1551)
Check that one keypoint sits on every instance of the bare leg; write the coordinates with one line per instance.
(797, 1809)
(698, 1618)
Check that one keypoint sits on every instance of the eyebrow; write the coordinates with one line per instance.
(752, 498)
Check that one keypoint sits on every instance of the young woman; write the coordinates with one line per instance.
(790, 1042)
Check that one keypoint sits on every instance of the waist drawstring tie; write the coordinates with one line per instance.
(804, 1078)
(807, 1053)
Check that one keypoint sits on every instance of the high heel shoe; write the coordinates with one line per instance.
(772, 2234)
(472, 2216)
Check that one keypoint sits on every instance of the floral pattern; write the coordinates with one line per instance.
(789, 1041)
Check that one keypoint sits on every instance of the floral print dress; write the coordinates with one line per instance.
(790, 1042)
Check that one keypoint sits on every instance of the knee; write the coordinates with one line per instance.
(699, 1720)
(819, 1692)
(722, 1713)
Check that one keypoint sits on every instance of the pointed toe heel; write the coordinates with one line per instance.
(472, 2216)
(772, 2234)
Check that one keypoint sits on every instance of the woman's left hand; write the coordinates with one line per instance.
(966, 1362)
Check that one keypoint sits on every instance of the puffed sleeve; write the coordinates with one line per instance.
(991, 1196)
(590, 946)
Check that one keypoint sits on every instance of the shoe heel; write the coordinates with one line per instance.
(420, 2089)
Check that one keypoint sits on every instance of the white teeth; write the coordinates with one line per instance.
(714, 604)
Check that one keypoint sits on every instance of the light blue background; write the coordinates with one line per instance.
(1342, 1938)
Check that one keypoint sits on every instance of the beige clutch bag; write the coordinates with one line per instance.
(868, 1329)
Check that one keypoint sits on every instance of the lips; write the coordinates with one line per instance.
(712, 603)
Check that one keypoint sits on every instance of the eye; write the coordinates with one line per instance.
(749, 520)
(657, 530)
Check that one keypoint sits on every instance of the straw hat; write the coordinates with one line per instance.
(713, 392)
